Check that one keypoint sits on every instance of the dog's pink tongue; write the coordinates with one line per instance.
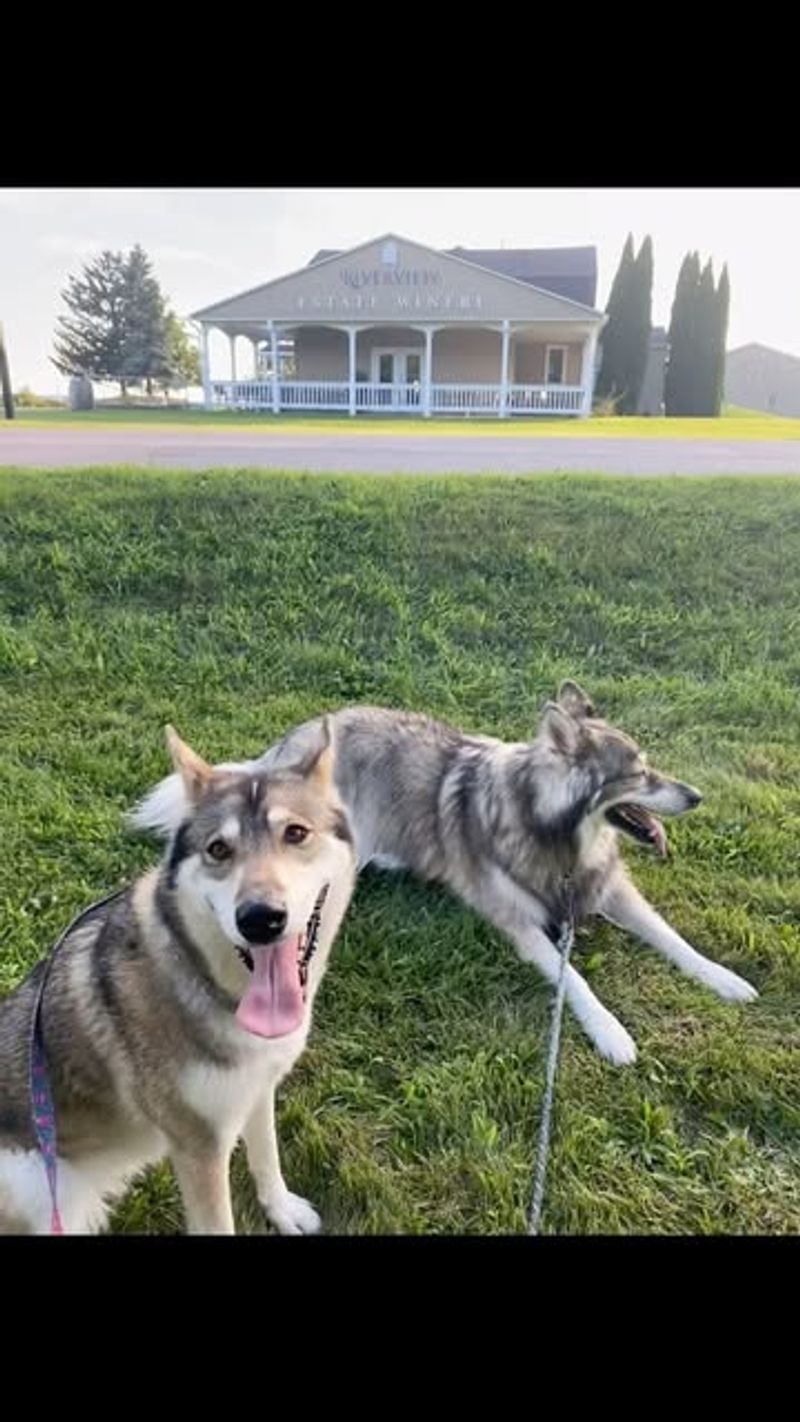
(273, 1004)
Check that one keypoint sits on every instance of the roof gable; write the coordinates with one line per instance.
(392, 279)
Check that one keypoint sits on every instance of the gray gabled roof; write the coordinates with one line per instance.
(564, 271)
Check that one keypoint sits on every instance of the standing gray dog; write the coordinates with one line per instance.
(171, 1011)
(503, 825)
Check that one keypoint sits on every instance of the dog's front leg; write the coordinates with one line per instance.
(600, 1025)
(289, 1213)
(625, 907)
(513, 912)
(204, 1182)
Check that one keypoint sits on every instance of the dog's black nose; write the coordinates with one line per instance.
(693, 796)
(259, 922)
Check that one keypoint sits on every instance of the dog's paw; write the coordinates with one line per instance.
(291, 1214)
(611, 1039)
(728, 985)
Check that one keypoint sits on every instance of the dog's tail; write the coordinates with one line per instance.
(163, 809)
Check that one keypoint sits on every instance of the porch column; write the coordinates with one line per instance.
(426, 385)
(352, 334)
(232, 341)
(587, 372)
(504, 369)
(276, 393)
(254, 344)
(205, 366)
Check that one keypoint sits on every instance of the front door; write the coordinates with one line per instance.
(400, 371)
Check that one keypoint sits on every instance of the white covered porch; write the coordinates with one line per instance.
(498, 369)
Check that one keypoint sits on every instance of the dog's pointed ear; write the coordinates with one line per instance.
(559, 728)
(315, 761)
(319, 769)
(573, 699)
(194, 771)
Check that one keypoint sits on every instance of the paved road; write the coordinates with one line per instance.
(364, 452)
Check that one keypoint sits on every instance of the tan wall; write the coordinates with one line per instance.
(469, 357)
(574, 363)
(321, 354)
(466, 357)
(527, 365)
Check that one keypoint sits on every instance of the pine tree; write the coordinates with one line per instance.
(723, 311)
(145, 342)
(117, 326)
(680, 372)
(612, 374)
(91, 338)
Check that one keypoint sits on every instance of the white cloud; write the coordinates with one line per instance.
(26, 202)
(63, 245)
(168, 253)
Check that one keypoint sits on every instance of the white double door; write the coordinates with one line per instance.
(398, 371)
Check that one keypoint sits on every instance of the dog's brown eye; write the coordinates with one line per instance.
(217, 849)
(295, 834)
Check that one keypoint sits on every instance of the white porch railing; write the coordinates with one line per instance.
(242, 394)
(444, 399)
(313, 394)
(465, 399)
(545, 399)
(388, 397)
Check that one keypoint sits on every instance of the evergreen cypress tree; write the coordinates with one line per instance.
(723, 311)
(612, 374)
(679, 377)
(704, 345)
(637, 324)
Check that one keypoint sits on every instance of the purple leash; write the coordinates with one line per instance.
(43, 1115)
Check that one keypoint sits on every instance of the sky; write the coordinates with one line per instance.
(209, 243)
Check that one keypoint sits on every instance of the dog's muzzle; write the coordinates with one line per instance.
(260, 922)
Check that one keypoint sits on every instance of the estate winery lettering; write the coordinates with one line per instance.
(393, 289)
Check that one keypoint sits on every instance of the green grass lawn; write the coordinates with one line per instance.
(736, 425)
(234, 604)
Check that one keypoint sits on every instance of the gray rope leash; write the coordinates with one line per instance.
(566, 938)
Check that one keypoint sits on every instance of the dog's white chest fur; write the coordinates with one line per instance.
(225, 1097)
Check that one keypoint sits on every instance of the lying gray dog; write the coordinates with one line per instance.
(503, 824)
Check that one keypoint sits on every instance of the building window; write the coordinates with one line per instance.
(555, 369)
